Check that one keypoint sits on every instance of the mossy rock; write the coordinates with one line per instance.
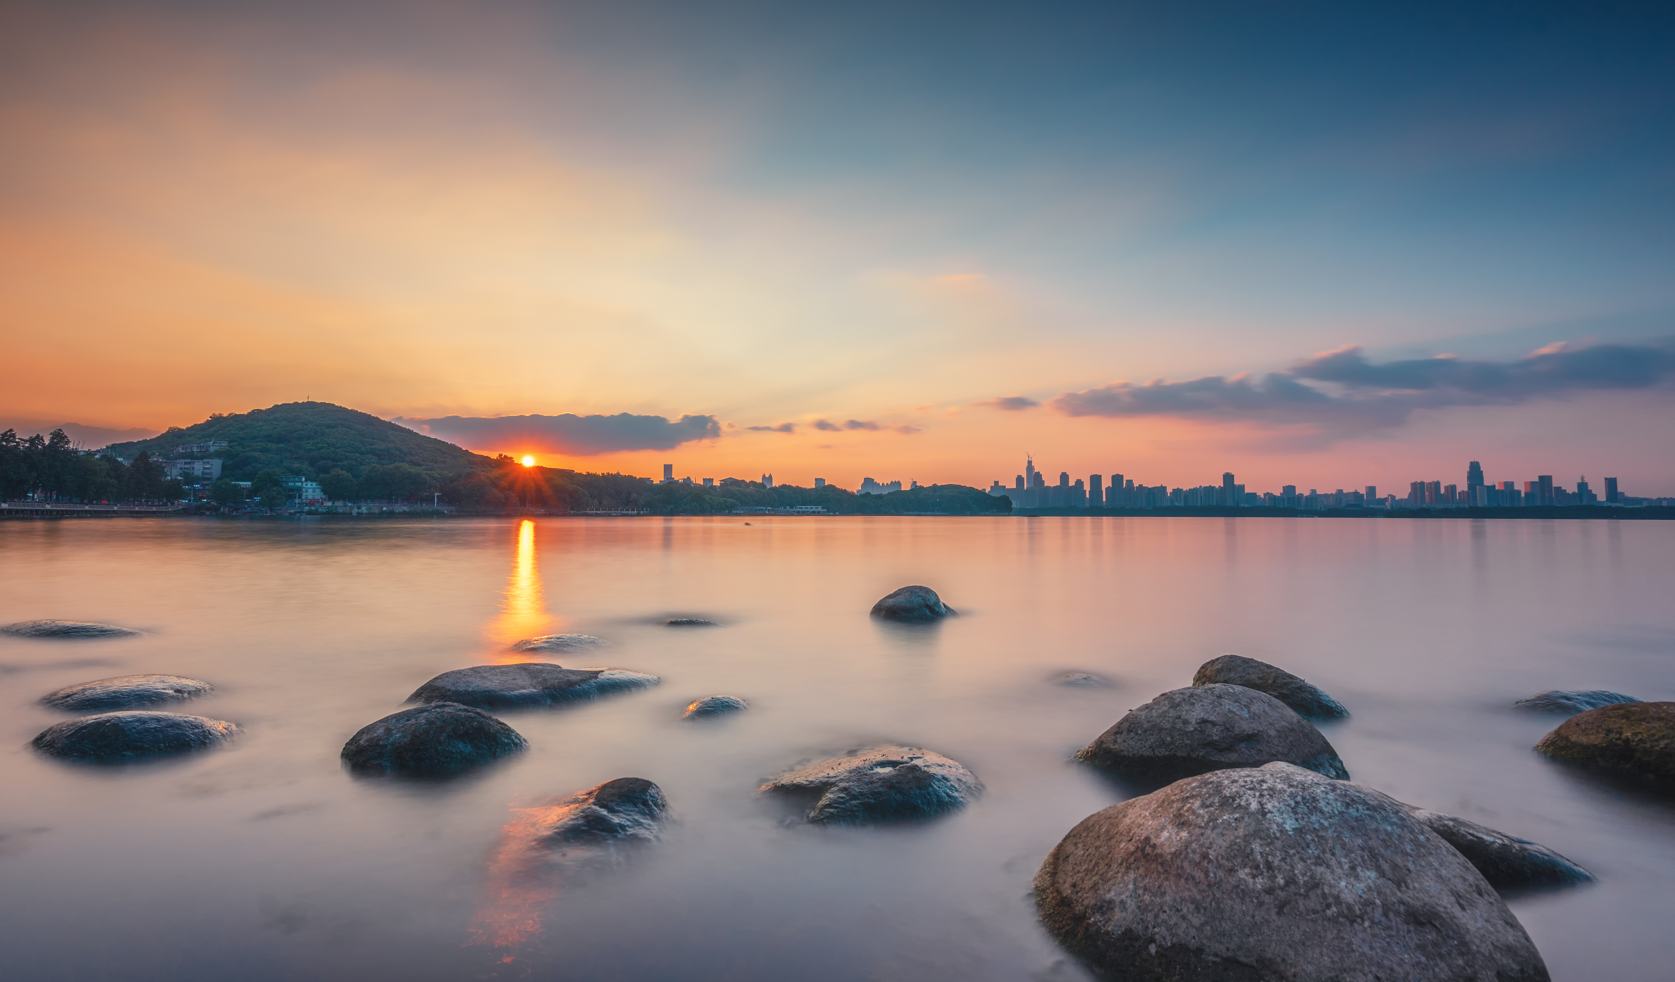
(1626, 738)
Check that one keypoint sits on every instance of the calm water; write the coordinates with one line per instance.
(267, 861)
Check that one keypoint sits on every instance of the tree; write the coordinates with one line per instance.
(225, 493)
(273, 497)
(339, 485)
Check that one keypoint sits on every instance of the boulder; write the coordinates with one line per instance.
(1275, 873)
(526, 684)
(439, 738)
(65, 629)
(912, 605)
(1506, 861)
(125, 692)
(887, 784)
(1635, 738)
(1081, 680)
(688, 622)
(714, 706)
(119, 737)
(628, 808)
(1571, 702)
(1207, 728)
(1302, 697)
(559, 642)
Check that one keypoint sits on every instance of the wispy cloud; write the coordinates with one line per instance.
(1010, 404)
(863, 424)
(1341, 394)
(577, 436)
(781, 428)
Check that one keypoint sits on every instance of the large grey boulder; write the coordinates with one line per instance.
(527, 684)
(623, 810)
(714, 706)
(886, 784)
(559, 643)
(1205, 728)
(1275, 873)
(65, 629)
(1571, 702)
(1631, 738)
(1303, 698)
(124, 692)
(436, 739)
(1506, 861)
(119, 737)
(912, 605)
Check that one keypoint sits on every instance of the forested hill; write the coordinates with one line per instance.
(309, 439)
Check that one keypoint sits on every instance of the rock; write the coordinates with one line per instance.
(1302, 697)
(714, 706)
(526, 684)
(125, 691)
(1081, 680)
(439, 738)
(688, 622)
(623, 809)
(1572, 702)
(1206, 728)
(118, 737)
(1275, 873)
(913, 605)
(559, 642)
(65, 629)
(1507, 862)
(888, 784)
(1628, 737)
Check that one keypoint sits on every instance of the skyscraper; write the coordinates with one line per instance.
(1474, 476)
(1612, 495)
(1544, 489)
(668, 473)
(1096, 497)
(1029, 471)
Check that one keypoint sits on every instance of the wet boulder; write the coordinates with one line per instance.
(1189, 731)
(1506, 861)
(435, 739)
(65, 629)
(887, 784)
(559, 643)
(714, 706)
(912, 605)
(125, 692)
(1571, 702)
(1275, 873)
(120, 737)
(1303, 698)
(527, 684)
(1634, 738)
(628, 808)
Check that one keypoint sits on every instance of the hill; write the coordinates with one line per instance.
(309, 439)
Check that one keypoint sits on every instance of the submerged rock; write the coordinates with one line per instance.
(65, 629)
(624, 809)
(1506, 861)
(912, 604)
(1571, 702)
(888, 784)
(117, 737)
(714, 706)
(1081, 680)
(1189, 731)
(527, 684)
(1303, 698)
(688, 622)
(1629, 737)
(1275, 873)
(559, 642)
(125, 691)
(440, 738)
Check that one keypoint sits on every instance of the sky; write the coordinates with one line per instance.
(1328, 245)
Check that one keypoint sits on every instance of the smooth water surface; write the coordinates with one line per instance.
(267, 861)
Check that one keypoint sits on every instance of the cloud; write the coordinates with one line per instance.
(824, 426)
(569, 434)
(781, 428)
(1351, 395)
(868, 425)
(1010, 404)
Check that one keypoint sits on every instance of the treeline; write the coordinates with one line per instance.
(509, 485)
(51, 467)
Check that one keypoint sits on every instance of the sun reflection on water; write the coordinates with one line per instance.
(523, 614)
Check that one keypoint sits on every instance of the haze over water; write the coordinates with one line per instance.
(268, 861)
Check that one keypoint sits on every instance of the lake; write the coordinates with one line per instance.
(266, 860)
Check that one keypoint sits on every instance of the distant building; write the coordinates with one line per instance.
(1096, 495)
(1474, 476)
(1612, 495)
(210, 468)
(303, 491)
(870, 486)
(767, 480)
(668, 473)
(709, 482)
(1544, 490)
(209, 447)
(997, 490)
(819, 482)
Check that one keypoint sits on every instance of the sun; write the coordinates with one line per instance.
(529, 461)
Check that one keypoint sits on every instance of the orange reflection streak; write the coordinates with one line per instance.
(520, 885)
(523, 614)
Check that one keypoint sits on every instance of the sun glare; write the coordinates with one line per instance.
(529, 461)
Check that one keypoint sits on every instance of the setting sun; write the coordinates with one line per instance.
(529, 461)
